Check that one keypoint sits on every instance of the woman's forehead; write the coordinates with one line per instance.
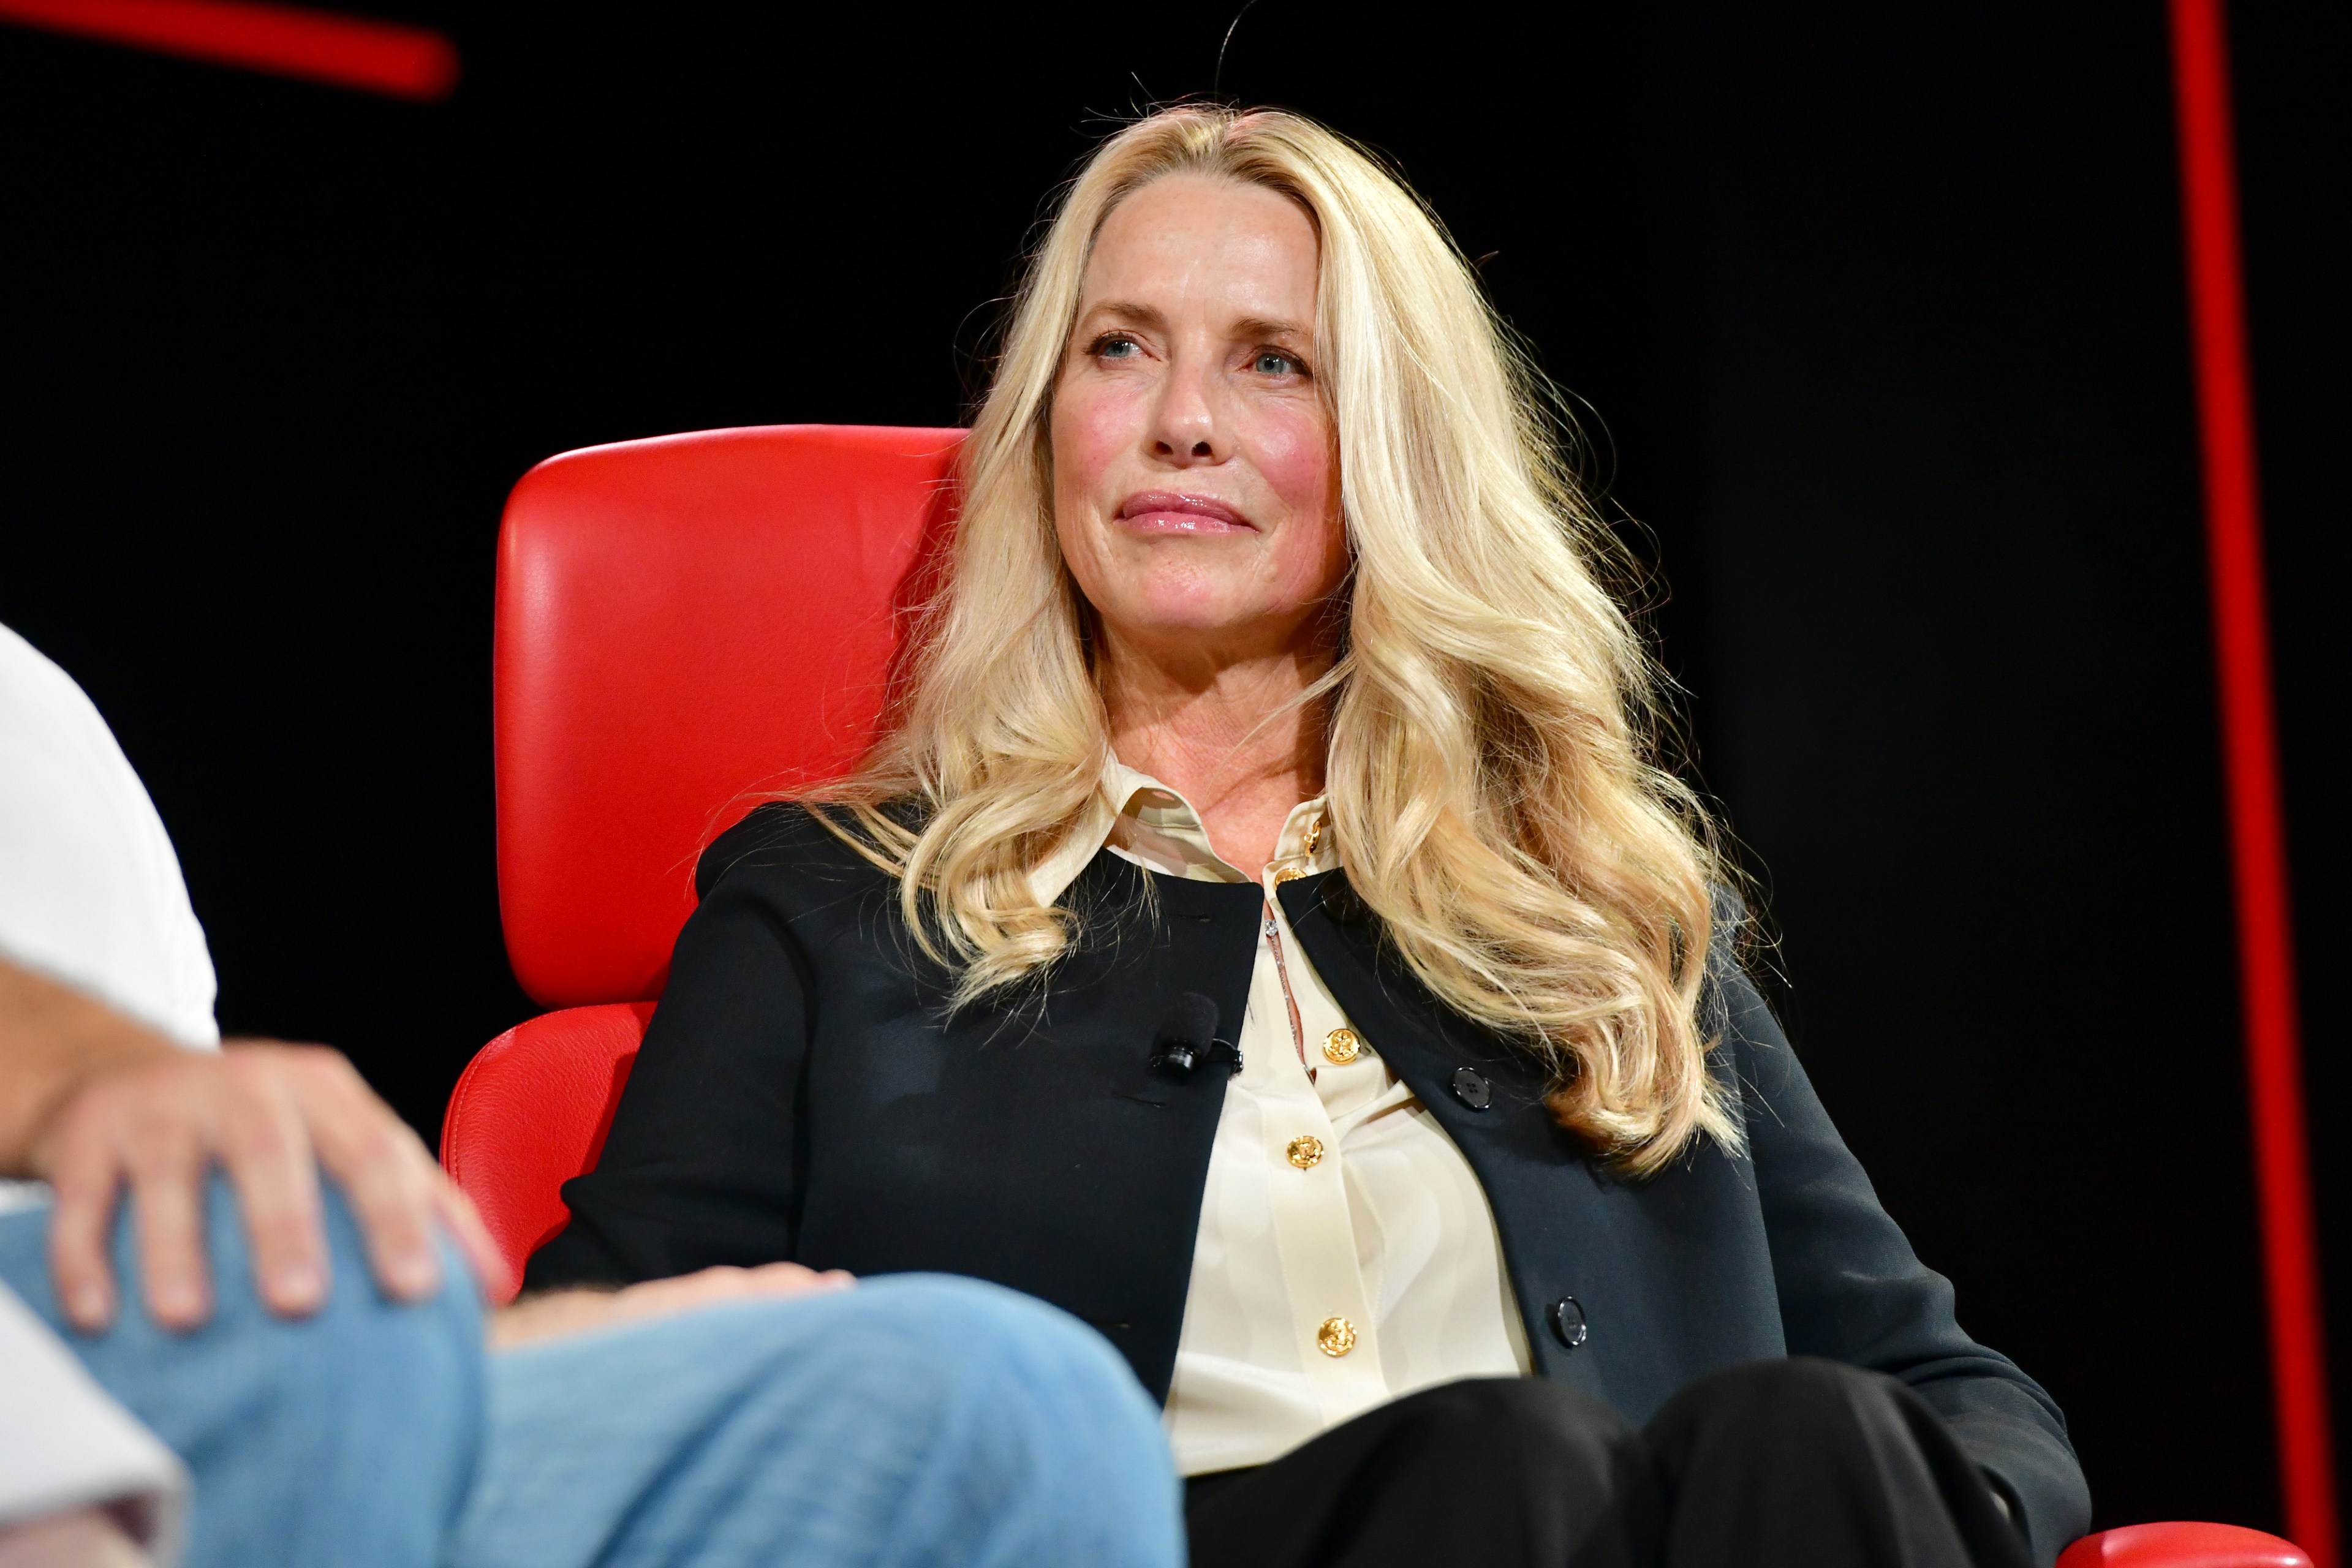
(1196, 240)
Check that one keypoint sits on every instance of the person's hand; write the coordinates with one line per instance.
(85, 1538)
(563, 1312)
(274, 1115)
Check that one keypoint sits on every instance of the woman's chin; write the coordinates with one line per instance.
(1180, 623)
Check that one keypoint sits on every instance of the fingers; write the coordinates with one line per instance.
(83, 1182)
(158, 1127)
(391, 1184)
(167, 1169)
(151, 1126)
(268, 1152)
(657, 1298)
(794, 1279)
(272, 1114)
(575, 1312)
(551, 1316)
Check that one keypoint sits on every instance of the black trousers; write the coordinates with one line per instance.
(1778, 1464)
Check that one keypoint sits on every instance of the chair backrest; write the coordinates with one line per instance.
(684, 625)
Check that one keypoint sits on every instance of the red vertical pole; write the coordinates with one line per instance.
(2225, 417)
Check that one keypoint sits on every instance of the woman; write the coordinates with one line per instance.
(1263, 933)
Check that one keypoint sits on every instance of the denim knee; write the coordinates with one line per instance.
(348, 1435)
(1036, 1410)
(969, 1329)
(914, 1421)
(972, 1338)
(361, 1355)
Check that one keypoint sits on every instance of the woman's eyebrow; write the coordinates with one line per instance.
(1260, 329)
(1142, 316)
(1267, 329)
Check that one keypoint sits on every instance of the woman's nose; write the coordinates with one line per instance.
(1186, 428)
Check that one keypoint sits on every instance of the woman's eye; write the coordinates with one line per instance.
(1117, 348)
(1269, 363)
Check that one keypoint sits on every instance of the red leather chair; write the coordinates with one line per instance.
(685, 627)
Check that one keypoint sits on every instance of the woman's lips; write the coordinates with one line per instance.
(1167, 512)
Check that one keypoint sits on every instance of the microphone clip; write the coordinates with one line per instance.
(1180, 1057)
(1187, 1037)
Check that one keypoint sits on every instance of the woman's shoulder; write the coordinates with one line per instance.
(788, 842)
(1732, 1010)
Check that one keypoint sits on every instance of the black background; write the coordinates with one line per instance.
(1877, 313)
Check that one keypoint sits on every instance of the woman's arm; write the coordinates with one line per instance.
(700, 1167)
(1852, 1290)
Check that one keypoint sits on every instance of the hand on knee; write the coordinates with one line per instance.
(561, 1313)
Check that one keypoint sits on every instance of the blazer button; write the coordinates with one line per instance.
(1470, 1087)
(1566, 1320)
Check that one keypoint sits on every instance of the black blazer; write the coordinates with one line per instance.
(802, 1093)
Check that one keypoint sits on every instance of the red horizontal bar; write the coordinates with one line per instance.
(2225, 417)
(357, 52)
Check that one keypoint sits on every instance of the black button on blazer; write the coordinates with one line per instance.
(802, 1093)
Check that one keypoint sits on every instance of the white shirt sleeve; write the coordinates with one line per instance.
(91, 891)
(66, 1445)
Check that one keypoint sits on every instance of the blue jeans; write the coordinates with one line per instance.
(914, 1420)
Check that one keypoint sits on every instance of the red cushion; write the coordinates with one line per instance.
(531, 1114)
(684, 624)
(2180, 1546)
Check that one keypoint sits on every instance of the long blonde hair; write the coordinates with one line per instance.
(1492, 783)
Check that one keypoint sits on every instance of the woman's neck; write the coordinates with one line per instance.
(1227, 735)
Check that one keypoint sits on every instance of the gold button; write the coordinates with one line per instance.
(1305, 1152)
(1342, 1045)
(1336, 1338)
(1287, 874)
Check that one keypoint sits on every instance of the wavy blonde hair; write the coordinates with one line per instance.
(1492, 791)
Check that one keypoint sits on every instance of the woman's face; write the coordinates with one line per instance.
(1196, 471)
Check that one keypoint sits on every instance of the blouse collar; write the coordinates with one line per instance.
(1140, 819)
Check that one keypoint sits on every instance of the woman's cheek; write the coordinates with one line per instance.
(1086, 446)
(1290, 447)
(1292, 452)
(1092, 426)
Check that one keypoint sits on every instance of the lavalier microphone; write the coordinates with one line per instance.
(1188, 1037)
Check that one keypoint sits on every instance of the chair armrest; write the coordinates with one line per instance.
(2182, 1545)
(532, 1111)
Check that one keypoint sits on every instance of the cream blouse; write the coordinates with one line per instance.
(1346, 1256)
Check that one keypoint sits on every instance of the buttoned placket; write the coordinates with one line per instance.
(1280, 1339)
(1338, 1343)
